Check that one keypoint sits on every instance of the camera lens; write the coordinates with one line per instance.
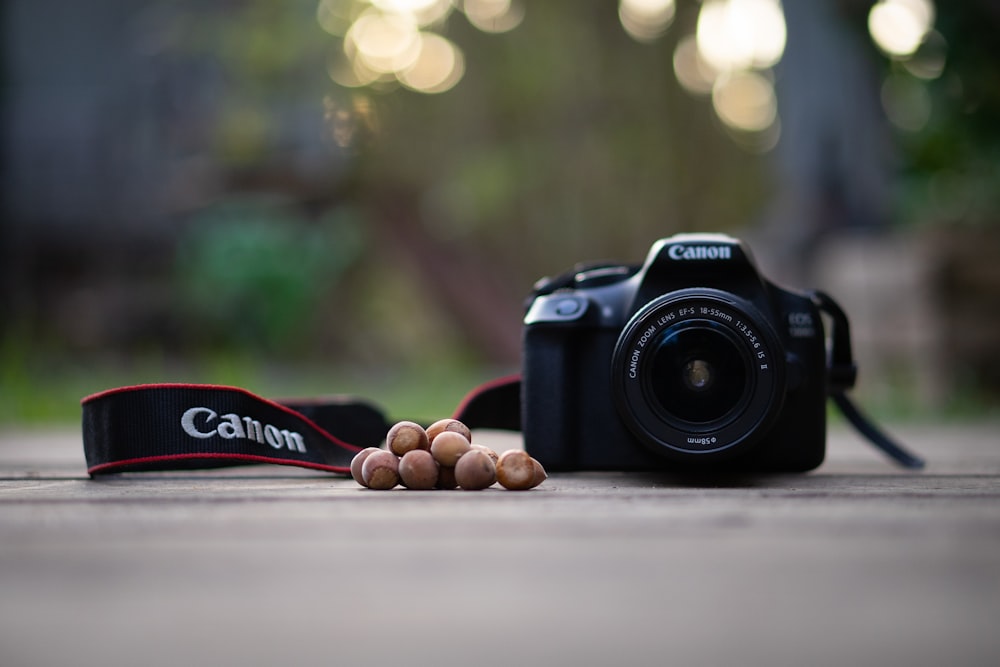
(697, 373)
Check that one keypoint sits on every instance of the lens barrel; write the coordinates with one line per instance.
(698, 372)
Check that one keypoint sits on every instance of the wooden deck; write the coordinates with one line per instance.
(856, 564)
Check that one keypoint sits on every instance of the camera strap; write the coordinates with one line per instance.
(159, 427)
(189, 426)
(842, 374)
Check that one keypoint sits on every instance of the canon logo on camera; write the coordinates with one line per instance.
(683, 252)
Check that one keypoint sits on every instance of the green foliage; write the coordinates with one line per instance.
(951, 168)
(251, 273)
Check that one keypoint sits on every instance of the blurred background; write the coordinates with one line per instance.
(355, 196)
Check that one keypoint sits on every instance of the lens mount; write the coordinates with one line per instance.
(698, 372)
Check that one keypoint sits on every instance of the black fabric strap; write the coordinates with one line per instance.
(495, 404)
(895, 451)
(843, 373)
(183, 426)
(188, 426)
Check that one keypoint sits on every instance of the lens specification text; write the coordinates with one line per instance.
(688, 311)
(716, 313)
(754, 343)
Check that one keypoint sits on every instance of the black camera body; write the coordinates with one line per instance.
(692, 361)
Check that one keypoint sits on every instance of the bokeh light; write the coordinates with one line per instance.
(421, 12)
(693, 72)
(438, 67)
(493, 15)
(745, 101)
(898, 27)
(741, 34)
(389, 42)
(347, 69)
(646, 20)
(384, 43)
(335, 16)
(929, 59)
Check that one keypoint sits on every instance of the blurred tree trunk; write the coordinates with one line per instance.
(465, 281)
(834, 159)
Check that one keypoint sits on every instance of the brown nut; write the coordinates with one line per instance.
(475, 471)
(515, 471)
(418, 470)
(358, 461)
(448, 425)
(448, 447)
(540, 474)
(381, 470)
(446, 478)
(405, 437)
(489, 452)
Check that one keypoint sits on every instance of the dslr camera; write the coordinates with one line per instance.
(691, 361)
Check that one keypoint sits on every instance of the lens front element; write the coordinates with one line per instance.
(697, 373)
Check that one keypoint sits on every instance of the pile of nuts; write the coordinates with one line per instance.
(442, 457)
